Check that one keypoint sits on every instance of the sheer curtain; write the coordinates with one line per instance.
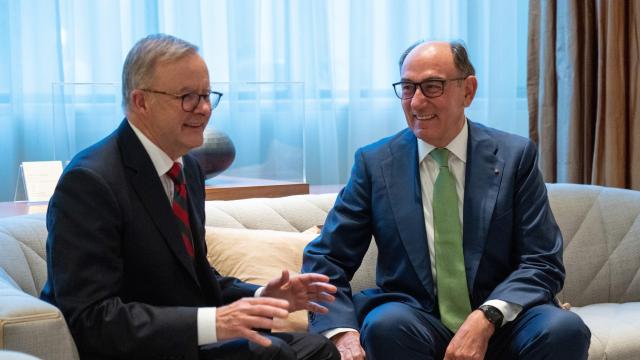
(345, 53)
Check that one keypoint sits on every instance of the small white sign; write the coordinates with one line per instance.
(40, 178)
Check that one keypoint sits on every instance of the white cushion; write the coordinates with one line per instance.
(615, 330)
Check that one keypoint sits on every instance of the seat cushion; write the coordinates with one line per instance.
(614, 330)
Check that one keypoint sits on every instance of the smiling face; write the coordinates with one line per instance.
(161, 118)
(436, 120)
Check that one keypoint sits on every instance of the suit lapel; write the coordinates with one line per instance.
(146, 183)
(482, 182)
(193, 181)
(402, 180)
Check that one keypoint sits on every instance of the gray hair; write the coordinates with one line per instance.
(458, 50)
(140, 63)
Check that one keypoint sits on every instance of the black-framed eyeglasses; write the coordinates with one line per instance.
(431, 88)
(190, 101)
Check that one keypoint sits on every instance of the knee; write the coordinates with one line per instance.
(568, 328)
(565, 333)
(374, 328)
(389, 324)
(322, 348)
(279, 349)
(380, 324)
(398, 331)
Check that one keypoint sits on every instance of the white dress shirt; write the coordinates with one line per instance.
(162, 163)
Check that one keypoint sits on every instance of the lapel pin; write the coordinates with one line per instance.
(496, 171)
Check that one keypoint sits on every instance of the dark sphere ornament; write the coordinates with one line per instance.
(216, 154)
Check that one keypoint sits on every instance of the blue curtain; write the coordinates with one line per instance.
(343, 52)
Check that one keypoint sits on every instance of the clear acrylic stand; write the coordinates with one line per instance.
(20, 193)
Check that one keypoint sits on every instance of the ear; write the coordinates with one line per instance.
(138, 102)
(470, 87)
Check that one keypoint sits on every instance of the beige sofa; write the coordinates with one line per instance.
(601, 227)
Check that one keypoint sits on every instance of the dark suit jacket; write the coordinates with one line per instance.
(117, 268)
(512, 245)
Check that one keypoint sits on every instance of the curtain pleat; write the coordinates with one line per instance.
(542, 82)
(633, 84)
(583, 98)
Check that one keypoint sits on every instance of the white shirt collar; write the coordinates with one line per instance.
(161, 161)
(457, 146)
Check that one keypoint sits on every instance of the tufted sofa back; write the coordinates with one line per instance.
(291, 213)
(601, 231)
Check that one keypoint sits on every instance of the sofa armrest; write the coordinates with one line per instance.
(32, 326)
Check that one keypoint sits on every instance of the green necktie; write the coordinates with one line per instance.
(453, 295)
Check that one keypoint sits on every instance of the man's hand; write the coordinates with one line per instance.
(302, 291)
(240, 318)
(348, 344)
(472, 339)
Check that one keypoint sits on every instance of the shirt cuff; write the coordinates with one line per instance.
(509, 310)
(333, 332)
(207, 326)
(259, 292)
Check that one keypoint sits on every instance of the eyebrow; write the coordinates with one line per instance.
(187, 90)
(423, 80)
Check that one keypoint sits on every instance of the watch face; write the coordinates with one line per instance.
(493, 315)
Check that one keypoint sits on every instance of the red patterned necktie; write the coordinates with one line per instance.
(180, 205)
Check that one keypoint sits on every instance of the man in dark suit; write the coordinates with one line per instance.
(469, 254)
(126, 254)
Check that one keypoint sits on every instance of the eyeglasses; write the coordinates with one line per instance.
(190, 101)
(431, 88)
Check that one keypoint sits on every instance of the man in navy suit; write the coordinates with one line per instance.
(507, 255)
(126, 254)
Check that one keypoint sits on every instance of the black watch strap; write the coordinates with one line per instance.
(492, 314)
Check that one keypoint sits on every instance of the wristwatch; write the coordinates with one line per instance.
(492, 314)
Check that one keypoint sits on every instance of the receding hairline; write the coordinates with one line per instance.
(459, 54)
(419, 46)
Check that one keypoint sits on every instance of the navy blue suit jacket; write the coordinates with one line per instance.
(117, 268)
(512, 245)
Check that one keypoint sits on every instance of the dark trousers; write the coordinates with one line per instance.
(285, 346)
(398, 331)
